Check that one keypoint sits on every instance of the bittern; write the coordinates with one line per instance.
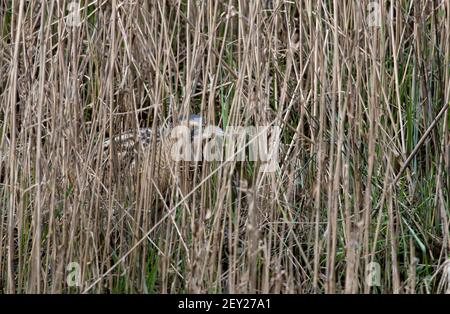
(128, 146)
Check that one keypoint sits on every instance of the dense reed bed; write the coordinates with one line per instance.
(358, 204)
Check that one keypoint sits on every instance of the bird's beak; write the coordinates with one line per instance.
(213, 131)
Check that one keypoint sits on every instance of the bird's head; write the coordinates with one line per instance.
(199, 130)
(198, 135)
